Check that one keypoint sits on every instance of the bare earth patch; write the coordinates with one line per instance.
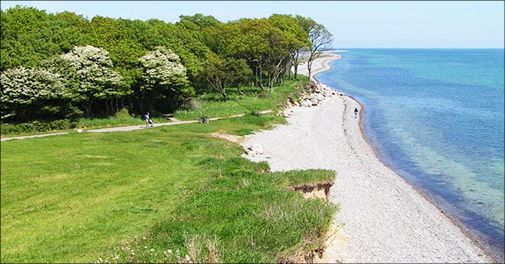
(312, 191)
(231, 138)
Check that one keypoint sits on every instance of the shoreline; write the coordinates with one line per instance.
(425, 195)
(355, 239)
(473, 236)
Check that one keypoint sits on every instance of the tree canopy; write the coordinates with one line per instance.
(106, 63)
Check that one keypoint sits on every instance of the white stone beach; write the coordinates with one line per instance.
(381, 218)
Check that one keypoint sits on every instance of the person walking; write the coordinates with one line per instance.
(149, 121)
(355, 112)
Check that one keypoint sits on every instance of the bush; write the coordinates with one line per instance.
(122, 114)
(61, 124)
(36, 126)
(192, 104)
(255, 113)
(262, 94)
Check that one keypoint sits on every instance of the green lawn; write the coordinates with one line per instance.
(81, 197)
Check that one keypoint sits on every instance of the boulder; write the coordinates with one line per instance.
(306, 103)
(254, 149)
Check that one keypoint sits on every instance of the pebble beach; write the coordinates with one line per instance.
(381, 217)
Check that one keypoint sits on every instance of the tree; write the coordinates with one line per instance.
(164, 78)
(222, 72)
(101, 66)
(94, 80)
(258, 41)
(31, 93)
(297, 40)
(24, 38)
(30, 36)
(320, 39)
(199, 20)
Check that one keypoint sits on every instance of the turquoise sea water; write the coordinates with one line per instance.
(436, 117)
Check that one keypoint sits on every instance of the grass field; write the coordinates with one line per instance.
(164, 194)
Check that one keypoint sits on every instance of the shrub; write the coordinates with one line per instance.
(262, 94)
(36, 126)
(255, 113)
(122, 114)
(192, 104)
(60, 124)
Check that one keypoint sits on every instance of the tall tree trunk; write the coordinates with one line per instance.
(309, 68)
(270, 81)
(261, 79)
(238, 89)
(255, 75)
(141, 102)
(107, 107)
(87, 107)
(296, 64)
(223, 93)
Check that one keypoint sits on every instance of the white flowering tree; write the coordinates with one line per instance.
(92, 78)
(30, 93)
(164, 78)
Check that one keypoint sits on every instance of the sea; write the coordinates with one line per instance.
(436, 117)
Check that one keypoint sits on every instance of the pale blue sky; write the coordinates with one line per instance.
(353, 24)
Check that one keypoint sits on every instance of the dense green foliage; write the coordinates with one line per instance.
(78, 197)
(36, 126)
(94, 67)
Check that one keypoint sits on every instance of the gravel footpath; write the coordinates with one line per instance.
(130, 128)
(381, 218)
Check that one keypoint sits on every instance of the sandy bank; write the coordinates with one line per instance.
(319, 65)
(381, 218)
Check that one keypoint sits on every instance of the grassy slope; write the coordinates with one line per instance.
(77, 197)
(212, 104)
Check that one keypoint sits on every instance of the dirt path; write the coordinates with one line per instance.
(33, 136)
(130, 128)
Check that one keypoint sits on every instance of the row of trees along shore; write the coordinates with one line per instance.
(65, 66)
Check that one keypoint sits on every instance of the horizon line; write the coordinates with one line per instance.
(417, 48)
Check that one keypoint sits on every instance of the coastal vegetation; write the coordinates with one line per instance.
(174, 194)
(67, 67)
(171, 194)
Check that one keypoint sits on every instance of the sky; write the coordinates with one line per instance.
(354, 24)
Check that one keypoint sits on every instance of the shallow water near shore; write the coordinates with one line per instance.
(436, 117)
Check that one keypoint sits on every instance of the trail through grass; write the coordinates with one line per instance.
(209, 104)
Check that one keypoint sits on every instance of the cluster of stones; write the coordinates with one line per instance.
(313, 94)
(254, 149)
